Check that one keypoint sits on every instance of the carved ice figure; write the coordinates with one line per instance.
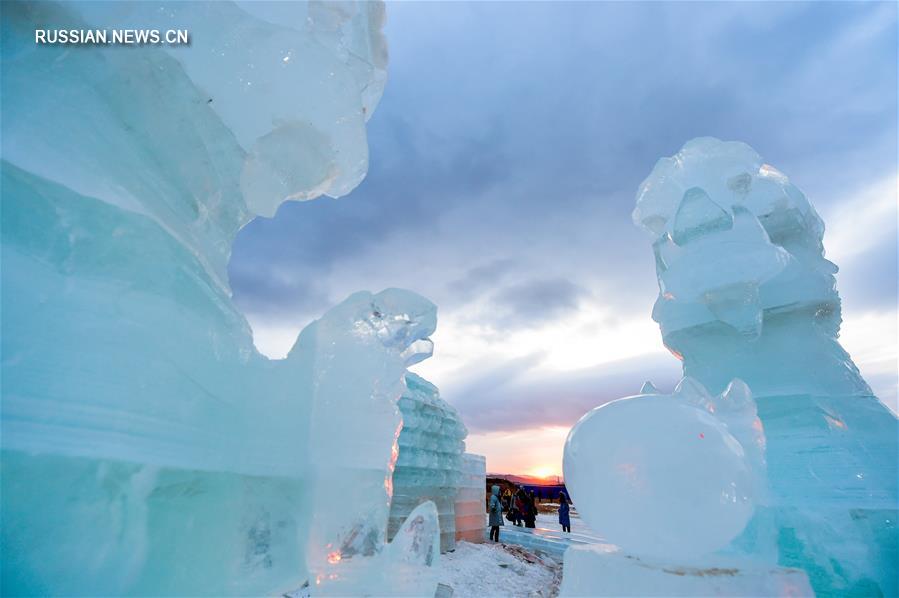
(746, 292)
(147, 447)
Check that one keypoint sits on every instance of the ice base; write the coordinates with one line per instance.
(106, 524)
(603, 570)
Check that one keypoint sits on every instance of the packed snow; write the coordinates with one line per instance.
(497, 569)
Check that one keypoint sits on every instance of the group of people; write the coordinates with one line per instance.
(521, 509)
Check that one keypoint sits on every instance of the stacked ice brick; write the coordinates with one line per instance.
(470, 505)
(428, 467)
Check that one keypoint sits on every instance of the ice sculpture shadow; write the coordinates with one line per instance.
(147, 447)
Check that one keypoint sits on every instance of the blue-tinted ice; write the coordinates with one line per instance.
(147, 447)
(756, 299)
(428, 467)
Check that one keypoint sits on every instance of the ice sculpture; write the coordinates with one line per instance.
(746, 292)
(661, 475)
(428, 467)
(470, 507)
(147, 447)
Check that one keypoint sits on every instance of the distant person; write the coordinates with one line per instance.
(564, 512)
(520, 506)
(496, 514)
(530, 518)
(509, 505)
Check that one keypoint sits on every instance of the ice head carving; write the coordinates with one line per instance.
(299, 144)
(738, 250)
(661, 475)
(267, 104)
(728, 172)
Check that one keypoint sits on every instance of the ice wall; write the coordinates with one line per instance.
(746, 292)
(147, 447)
(428, 467)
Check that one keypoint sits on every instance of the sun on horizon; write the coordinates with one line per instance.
(544, 471)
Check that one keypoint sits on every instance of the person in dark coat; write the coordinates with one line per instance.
(564, 516)
(520, 502)
(530, 518)
(496, 513)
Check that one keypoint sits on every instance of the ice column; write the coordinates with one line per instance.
(470, 499)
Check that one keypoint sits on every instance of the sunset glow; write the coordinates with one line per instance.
(533, 451)
(543, 471)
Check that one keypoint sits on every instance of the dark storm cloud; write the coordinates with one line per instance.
(517, 401)
(536, 301)
(481, 277)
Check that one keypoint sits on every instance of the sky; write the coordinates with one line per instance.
(505, 157)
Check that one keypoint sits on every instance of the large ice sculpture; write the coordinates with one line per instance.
(428, 467)
(746, 292)
(147, 447)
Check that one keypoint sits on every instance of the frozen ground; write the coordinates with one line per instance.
(579, 530)
(547, 538)
(497, 569)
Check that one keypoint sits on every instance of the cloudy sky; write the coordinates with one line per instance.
(505, 156)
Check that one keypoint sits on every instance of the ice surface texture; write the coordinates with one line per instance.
(428, 467)
(662, 475)
(147, 447)
(746, 292)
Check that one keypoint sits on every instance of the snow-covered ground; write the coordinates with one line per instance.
(551, 521)
(497, 569)
(579, 529)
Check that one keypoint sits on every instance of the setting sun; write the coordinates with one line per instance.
(543, 471)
